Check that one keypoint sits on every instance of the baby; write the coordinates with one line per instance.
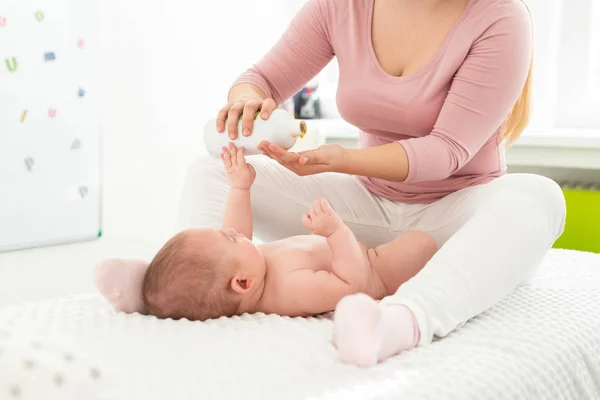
(204, 273)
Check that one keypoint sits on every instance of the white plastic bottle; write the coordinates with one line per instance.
(281, 129)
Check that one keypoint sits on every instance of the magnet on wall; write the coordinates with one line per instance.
(52, 113)
(2, 22)
(39, 16)
(81, 92)
(24, 116)
(76, 144)
(50, 56)
(83, 191)
(81, 43)
(11, 64)
(29, 163)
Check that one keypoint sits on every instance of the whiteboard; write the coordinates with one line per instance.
(50, 110)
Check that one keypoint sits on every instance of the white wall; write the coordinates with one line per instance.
(168, 65)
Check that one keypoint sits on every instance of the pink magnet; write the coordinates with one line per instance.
(52, 113)
(81, 43)
(2, 22)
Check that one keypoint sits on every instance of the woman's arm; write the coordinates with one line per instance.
(389, 162)
(385, 162)
(482, 94)
(299, 55)
(246, 90)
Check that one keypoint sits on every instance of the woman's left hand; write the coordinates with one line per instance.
(327, 158)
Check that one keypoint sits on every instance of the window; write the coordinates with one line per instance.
(567, 64)
(566, 94)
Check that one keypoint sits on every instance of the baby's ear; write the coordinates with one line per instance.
(241, 285)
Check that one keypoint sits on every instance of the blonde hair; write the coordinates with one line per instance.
(186, 282)
(519, 117)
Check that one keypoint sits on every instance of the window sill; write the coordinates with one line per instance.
(563, 138)
(561, 148)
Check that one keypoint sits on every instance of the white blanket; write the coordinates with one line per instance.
(542, 342)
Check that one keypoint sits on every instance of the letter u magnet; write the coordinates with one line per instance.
(11, 64)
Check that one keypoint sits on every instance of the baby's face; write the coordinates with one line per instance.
(244, 253)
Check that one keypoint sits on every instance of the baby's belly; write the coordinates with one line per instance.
(310, 252)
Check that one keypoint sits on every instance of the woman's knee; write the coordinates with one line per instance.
(205, 169)
(533, 192)
(203, 189)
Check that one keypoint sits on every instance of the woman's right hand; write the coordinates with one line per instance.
(245, 107)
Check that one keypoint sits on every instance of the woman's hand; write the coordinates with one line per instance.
(245, 107)
(327, 158)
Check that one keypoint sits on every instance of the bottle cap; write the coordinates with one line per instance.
(303, 129)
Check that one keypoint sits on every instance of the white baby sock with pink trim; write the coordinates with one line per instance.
(366, 333)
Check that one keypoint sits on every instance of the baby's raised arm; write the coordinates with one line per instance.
(348, 261)
(240, 175)
(350, 271)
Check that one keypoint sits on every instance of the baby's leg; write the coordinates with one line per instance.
(399, 260)
(362, 342)
(364, 332)
(494, 237)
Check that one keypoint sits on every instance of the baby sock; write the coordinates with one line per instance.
(120, 283)
(366, 333)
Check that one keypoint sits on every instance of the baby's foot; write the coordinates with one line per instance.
(356, 333)
(366, 333)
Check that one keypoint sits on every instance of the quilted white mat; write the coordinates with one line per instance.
(542, 342)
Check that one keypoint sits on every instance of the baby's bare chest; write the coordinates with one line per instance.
(300, 252)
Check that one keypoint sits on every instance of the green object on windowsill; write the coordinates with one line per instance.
(582, 229)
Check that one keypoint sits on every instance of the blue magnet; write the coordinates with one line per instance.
(29, 163)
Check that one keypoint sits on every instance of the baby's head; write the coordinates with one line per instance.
(201, 274)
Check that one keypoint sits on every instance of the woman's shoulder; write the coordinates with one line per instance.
(484, 15)
(492, 11)
(338, 18)
(338, 10)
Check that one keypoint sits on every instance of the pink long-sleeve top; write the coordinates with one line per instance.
(447, 115)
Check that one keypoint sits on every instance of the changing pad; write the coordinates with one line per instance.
(541, 342)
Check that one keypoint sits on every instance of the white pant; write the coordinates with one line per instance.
(492, 237)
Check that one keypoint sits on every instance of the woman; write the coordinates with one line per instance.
(437, 88)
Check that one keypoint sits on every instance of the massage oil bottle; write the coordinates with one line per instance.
(281, 129)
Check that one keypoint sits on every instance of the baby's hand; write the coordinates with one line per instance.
(240, 174)
(322, 220)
